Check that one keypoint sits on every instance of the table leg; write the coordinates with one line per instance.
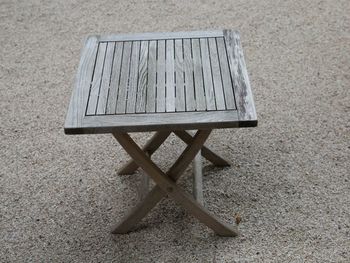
(156, 194)
(198, 178)
(166, 183)
(206, 152)
(151, 146)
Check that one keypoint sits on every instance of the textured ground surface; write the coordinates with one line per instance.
(60, 195)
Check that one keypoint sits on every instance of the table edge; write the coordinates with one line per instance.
(159, 121)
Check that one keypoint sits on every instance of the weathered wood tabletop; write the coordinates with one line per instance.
(161, 81)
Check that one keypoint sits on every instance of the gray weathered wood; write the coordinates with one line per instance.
(206, 152)
(216, 73)
(157, 122)
(198, 75)
(188, 69)
(151, 79)
(179, 77)
(159, 137)
(161, 76)
(168, 186)
(207, 75)
(96, 81)
(170, 87)
(144, 186)
(150, 147)
(156, 194)
(225, 74)
(114, 85)
(142, 83)
(124, 78)
(106, 76)
(133, 77)
(77, 105)
(198, 179)
(239, 74)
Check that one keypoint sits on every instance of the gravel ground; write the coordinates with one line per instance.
(60, 195)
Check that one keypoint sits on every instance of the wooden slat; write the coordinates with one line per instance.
(114, 86)
(133, 77)
(179, 77)
(225, 74)
(157, 122)
(77, 106)
(215, 69)
(124, 78)
(188, 69)
(161, 76)
(106, 76)
(207, 75)
(96, 81)
(242, 90)
(170, 88)
(198, 76)
(160, 35)
(142, 83)
(151, 79)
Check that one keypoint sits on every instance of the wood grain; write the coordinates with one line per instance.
(156, 122)
(150, 147)
(216, 73)
(115, 77)
(239, 74)
(206, 152)
(124, 78)
(133, 77)
(198, 76)
(198, 179)
(180, 102)
(225, 75)
(142, 81)
(161, 76)
(77, 105)
(151, 79)
(106, 76)
(188, 70)
(207, 75)
(96, 80)
(170, 68)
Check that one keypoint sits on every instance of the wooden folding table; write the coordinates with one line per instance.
(163, 82)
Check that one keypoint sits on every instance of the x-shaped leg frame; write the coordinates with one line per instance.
(166, 182)
(156, 141)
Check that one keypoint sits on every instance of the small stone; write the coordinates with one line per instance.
(238, 218)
